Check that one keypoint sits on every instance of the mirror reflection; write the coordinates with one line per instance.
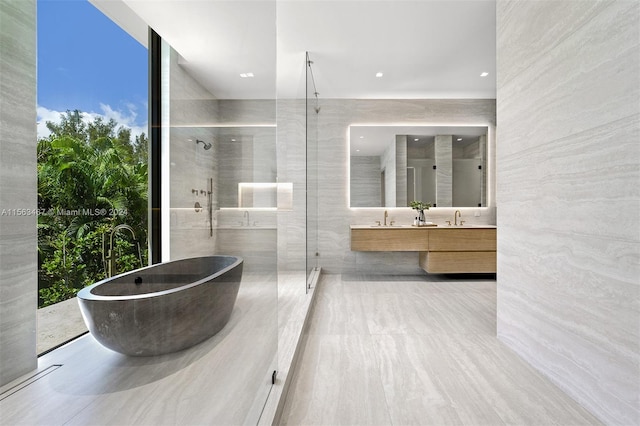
(390, 166)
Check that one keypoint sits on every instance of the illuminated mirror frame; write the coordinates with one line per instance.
(488, 160)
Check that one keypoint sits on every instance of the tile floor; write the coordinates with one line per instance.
(224, 380)
(422, 350)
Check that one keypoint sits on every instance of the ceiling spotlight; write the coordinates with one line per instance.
(484, 74)
(246, 75)
(379, 74)
(459, 139)
(416, 140)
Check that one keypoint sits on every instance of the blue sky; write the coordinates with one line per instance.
(87, 62)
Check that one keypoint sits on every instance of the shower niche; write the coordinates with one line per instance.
(265, 195)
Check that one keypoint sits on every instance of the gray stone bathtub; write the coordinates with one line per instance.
(162, 308)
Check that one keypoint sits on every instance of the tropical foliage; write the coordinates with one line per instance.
(91, 178)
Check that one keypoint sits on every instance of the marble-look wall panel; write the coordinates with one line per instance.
(192, 168)
(246, 153)
(388, 165)
(251, 234)
(235, 164)
(334, 213)
(291, 151)
(568, 105)
(401, 171)
(256, 245)
(247, 111)
(365, 181)
(243, 150)
(18, 187)
(444, 170)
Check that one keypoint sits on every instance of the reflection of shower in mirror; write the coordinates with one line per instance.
(392, 164)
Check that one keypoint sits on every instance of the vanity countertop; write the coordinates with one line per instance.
(437, 226)
(246, 228)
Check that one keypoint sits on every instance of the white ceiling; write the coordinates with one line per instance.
(425, 48)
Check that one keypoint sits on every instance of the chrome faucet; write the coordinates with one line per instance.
(246, 215)
(386, 215)
(456, 215)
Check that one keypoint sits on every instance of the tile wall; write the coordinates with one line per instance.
(568, 107)
(18, 187)
(334, 213)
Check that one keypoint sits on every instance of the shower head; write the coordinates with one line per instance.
(207, 145)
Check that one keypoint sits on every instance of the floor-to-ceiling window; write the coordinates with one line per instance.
(92, 86)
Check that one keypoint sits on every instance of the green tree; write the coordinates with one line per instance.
(90, 179)
(141, 149)
(71, 125)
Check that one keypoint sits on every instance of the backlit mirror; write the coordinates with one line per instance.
(390, 166)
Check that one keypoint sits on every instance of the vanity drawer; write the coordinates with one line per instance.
(394, 239)
(454, 262)
(469, 239)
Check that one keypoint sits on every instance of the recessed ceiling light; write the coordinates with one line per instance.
(246, 74)
(459, 139)
(357, 150)
(416, 140)
(484, 74)
(233, 140)
(361, 137)
(379, 74)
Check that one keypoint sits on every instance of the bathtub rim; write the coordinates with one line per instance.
(86, 293)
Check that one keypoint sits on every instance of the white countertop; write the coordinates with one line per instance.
(437, 226)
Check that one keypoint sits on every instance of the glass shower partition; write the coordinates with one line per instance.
(219, 197)
(312, 109)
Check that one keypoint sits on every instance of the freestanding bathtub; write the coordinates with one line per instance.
(162, 308)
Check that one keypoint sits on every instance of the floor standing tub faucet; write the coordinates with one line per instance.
(111, 255)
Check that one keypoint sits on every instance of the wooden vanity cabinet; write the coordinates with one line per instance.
(462, 239)
(462, 250)
(389, 239)
(442, 250)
